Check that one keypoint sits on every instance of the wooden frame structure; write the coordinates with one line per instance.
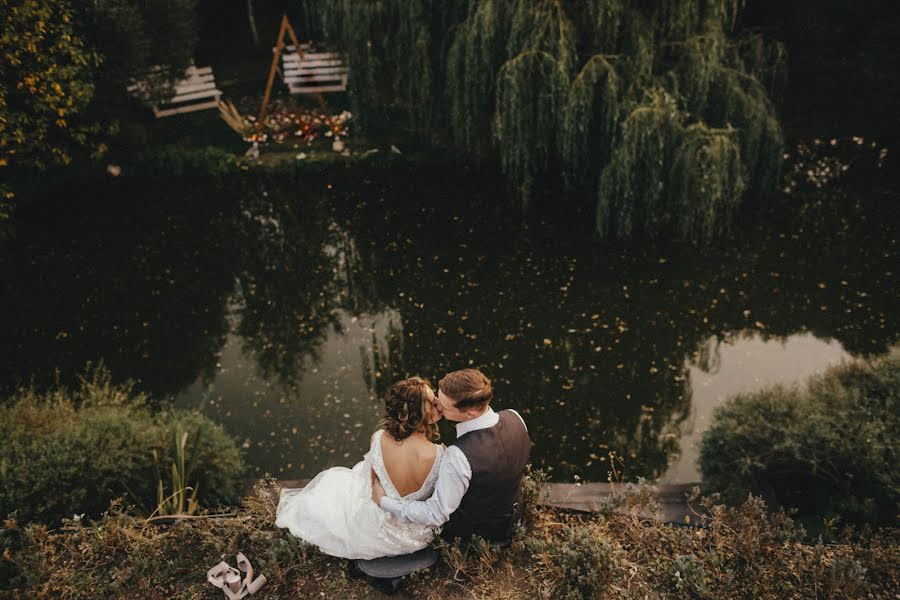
(303, 71)
(276, 56)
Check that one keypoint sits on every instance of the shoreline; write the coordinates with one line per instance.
(589, 497)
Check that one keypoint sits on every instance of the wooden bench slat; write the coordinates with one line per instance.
(316, 71)
(313, 77)
(317, 89)
(195, 96)
(204, 77)
(314, 64)
(166, 112)
(293, 59)
(313, 80)
(310, 55)
(197, 87)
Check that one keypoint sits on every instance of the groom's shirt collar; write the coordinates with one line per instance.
(488, 419)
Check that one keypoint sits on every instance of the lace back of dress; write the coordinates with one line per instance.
(380, 469)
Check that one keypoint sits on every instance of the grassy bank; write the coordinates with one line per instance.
(732, 553)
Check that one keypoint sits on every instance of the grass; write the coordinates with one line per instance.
(741, 552)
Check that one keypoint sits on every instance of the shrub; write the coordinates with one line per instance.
(829, 449)
(468, 559)
(119, 556)
(174, 161)
(583, 563)
(742, 552)
(70, 453)
(533, 494)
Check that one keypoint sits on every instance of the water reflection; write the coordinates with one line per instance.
(284, 307)
(136, 277)
(285, 282)
(744, 363)
(322, 419)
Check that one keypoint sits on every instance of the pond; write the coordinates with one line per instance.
(283, 305)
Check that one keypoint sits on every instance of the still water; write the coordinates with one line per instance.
(284, 305)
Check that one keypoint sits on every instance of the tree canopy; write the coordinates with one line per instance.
(46, 75)
(658, 114)
(55, 98)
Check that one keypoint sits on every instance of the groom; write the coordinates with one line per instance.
(479, 482)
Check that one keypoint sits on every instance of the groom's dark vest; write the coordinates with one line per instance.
(498, 456)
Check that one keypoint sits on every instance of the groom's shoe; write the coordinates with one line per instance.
(353, 570)
(388, 586)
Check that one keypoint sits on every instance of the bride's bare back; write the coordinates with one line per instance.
(408, 462)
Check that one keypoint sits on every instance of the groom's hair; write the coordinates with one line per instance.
(468, 388)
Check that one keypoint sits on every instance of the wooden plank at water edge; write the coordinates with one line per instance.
(585, 497)
(590, 497)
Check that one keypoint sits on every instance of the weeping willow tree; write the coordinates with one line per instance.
(657, 115)
(530, 89)
(633, 198)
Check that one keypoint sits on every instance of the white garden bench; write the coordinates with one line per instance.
(197, 91)
(314, 73)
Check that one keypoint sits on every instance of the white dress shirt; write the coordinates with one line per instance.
(454, 475)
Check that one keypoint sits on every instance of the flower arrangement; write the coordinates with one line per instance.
(285, 123)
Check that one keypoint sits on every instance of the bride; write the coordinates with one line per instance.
(335, 510)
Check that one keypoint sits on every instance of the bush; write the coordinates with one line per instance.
(71, 453)
(119, 556)
(829, 449)
(583, 563)
(743, 552)
(174, 161)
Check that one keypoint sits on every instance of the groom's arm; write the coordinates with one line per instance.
(454, 475)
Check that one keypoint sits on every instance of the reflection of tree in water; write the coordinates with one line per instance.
(383, 362)
(592, 342)
(493, 302)
(132, 275)
(286, 278)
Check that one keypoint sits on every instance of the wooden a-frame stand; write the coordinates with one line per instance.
(276, 56)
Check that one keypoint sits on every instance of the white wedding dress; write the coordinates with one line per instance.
(335, 510)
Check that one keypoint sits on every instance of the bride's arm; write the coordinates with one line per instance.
(454, 475)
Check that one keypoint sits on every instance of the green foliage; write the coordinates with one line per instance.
(745, 551)
(583, 562)
(175, 161)
(178, 502)
(120, 556)
(549, 88)
(830, 449)
(134, 35)
(532, 495)
(742, 552)
(476, 55)
(590, 121)
(470, 559)
(45, 85)
(706, 182)
(530, 89)
(54, 97)
(68, 453)
(632, 196)
(766, 61)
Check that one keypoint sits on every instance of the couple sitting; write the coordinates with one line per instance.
(407, 488)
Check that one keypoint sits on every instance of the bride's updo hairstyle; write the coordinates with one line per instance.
(405, 409)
